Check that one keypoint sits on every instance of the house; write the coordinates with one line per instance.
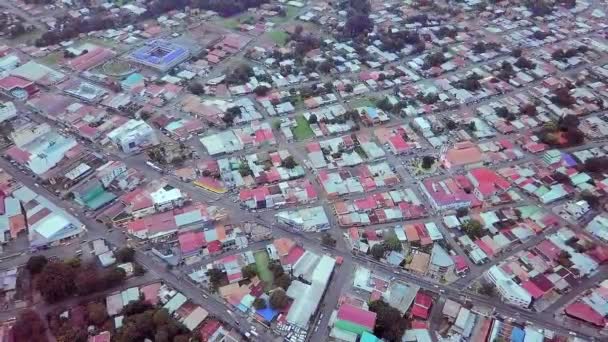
(307, 219)
(92, 194)
(487, 183)
(133, 136)
(463, 153)
(598, 226)
(167, 199)
(441, 262)
(577, 209)
(7, 111)
(355, 319)
(511, 292)
(422, 305)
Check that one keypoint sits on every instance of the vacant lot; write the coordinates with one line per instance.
(261, 262)
(302, 131)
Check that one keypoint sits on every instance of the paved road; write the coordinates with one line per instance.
(97, 230)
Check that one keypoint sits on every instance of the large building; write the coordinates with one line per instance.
(134, 136)
(511, 292)
(307, 297)
(160, 54)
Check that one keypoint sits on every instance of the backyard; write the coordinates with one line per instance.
(278, 37)
(302, 131)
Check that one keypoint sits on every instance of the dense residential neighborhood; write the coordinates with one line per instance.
(310, 170)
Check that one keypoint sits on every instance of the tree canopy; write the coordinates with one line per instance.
(55, 282)
(30, 327)
(278, 299)
(35, 264)
(390, 323)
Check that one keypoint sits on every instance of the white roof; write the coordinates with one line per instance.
(50, 225)
(164, 196)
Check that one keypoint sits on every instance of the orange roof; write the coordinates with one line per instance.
(411, 233)
(220, 230)
(464, 155)
(16, 224)
(283, 245)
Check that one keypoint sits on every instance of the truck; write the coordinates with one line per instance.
(154, 166)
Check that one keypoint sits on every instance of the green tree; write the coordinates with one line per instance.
(249, 271)
(289, 162)
(97, 313)
(390, 323)
(276, 124)
(487, 289)
(259, 303)
(55, 282)
(261, 90)
(196, 88)
(473, 228)
(392, 243)
(35, 264)
(427, 162)
(29, 327)
(378, 251)
(216, 278)
(312, 119)
(125, 254)
(328, 240)
(161, 317)
(283, 281)
(278, 299)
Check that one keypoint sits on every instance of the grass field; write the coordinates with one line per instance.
(261, 262)
(302, 131)
(362, 102)
(279, 37)
(51, 59)
(233, 23)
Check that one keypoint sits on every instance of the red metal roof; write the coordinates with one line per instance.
(584, 312)
(357, 315)
(191, 241)
(12, 82)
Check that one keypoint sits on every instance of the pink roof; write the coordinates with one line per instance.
(548, 249)
(12, 82)
(357, 315)
(484, 247)
(214, 246)
(398, 143)
(294, 255)
(191, 241)
(18, 155)
(365, 203)
(154, 223)
(90, 59)
(532, 289)
(423, 300)
(460, 262)
(584, 312)
(209, 328)
(151, 293)
(487, 177)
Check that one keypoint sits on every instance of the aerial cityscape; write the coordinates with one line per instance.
(303, 170)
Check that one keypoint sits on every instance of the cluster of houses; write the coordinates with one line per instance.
(380, 207)
(25, 213)
(501, 230)
(192, 316)
(541, 275)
